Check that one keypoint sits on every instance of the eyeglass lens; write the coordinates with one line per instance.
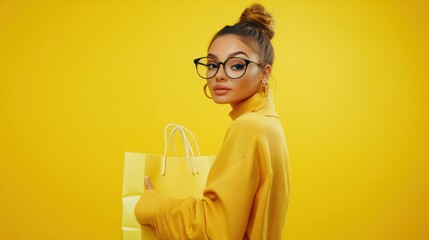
(234, 67)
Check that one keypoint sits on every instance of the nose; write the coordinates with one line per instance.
(221, 75)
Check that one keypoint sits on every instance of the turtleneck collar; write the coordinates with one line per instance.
(263, 104)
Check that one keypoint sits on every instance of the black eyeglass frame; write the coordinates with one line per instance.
(247, 61)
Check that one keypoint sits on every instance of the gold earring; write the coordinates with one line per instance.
(264, 87)
(205, 91)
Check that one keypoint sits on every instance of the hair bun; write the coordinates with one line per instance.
(257, 16)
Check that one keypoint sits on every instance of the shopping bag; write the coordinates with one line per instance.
(177, 176)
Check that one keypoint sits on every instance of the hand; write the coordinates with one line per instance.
(148, 184)
(145, 206)
(150, 203)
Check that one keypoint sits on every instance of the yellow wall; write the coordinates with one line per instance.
(81, 83)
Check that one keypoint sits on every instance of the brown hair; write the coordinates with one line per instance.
(255, 27)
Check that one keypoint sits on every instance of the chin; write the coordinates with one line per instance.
(219, 100)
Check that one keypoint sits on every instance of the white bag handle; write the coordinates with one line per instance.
(189, 147)
(189, 151)
(186, 144)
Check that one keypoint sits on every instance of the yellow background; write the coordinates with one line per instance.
(84, 81)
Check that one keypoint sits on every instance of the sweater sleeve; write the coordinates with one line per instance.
(224, 210)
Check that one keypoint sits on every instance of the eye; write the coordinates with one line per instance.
(211, 65)
(238, 66)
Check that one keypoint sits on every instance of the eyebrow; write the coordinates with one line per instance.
(229, 55)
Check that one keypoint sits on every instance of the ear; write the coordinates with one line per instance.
(266, 73)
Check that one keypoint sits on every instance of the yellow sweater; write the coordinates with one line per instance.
(247, 190)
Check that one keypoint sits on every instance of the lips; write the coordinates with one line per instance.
(221, 90)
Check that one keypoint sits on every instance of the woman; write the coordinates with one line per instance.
(247, 190)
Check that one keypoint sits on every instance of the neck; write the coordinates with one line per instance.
(235, 104)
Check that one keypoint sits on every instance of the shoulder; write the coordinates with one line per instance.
(250, 123)
(256, 126)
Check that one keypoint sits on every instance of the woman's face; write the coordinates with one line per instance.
(232, 91)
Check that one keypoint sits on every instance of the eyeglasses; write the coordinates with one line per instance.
(234, 67)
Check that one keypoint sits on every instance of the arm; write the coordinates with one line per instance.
(224, 210)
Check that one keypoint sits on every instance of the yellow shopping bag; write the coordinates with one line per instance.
(176, 176)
